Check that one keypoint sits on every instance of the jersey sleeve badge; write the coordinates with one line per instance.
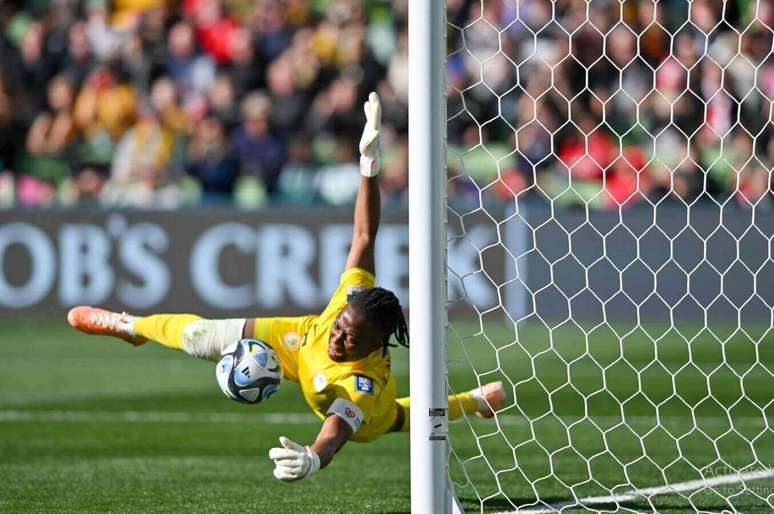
(364, 385)
(319, 381)
(292, 341)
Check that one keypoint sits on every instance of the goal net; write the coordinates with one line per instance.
(609, 248)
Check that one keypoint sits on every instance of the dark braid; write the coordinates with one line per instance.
(382, 308)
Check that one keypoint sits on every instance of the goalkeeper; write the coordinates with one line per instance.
(340, 358)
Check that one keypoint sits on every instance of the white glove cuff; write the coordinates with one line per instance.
(314, 460)
(369, 166)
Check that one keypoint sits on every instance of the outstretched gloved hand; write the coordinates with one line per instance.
(369, 141)
(293, 462)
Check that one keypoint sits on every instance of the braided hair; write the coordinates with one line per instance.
(382, 308)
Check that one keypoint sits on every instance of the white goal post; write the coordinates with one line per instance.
(606, 251)
(427, 255)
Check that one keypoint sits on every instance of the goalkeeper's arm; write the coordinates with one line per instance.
(293, 462)
(368, 203)
(334, 433)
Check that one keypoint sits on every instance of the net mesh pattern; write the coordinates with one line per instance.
(610, 238)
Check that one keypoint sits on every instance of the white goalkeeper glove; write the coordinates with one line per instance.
(293, 462)
(369, 141)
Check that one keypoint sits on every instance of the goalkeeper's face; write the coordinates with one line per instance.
(352, 336)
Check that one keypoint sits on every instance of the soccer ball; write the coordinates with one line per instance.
(248, 371)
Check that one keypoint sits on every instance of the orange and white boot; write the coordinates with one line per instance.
(95, 321)
(490, 399)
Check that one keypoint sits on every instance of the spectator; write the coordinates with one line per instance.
(215, 31)
(626, 182)
(89, 180)
(78, 60)
(243, 66)
(163, 99)
(152, 29)
(288, 104)
(193, 73)
(104, 41)
(136, 63)
(394, 182)
(340, 180)
(306, 65)
(259, 152)
(210, 161)
(298, 179)
(140, 173)
(34, 70)
(754, 186)
(53, 129)
(104, 109)
(222, 101)
(46, 166)
(275, 35)
(397, 72)
(336, 109)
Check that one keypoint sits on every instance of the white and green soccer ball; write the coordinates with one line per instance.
(249, 371)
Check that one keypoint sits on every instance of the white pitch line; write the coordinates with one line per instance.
(300, 418)
(272, 418)
(679, 487)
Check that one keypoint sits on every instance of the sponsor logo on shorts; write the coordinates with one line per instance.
(364, 384)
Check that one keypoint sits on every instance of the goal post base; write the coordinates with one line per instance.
(456, 507)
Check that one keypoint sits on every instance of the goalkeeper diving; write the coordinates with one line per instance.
(340, 358)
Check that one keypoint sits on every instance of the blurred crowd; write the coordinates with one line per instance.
(609, 103)
(145, 103)
(155, 104)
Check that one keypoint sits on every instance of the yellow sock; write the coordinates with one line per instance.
(458, 403)
(403, 403)
(165, 329)
(462, 402)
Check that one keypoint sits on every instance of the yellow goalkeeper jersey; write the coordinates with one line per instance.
(362, 392)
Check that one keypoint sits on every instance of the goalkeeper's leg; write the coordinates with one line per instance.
(187, 332)
(483, 401)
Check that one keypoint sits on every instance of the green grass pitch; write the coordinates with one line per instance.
(93, 425)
